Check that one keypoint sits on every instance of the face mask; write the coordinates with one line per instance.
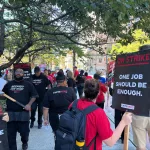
(19, 79)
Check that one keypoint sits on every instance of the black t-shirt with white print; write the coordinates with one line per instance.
(40, 83)
(21, 91)
(58, 99)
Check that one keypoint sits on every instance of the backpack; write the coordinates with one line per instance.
(72, 127)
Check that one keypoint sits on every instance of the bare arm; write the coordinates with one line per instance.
(45, 115)
(28, 106)
(31, 101)
(126, 120)
(116, 135)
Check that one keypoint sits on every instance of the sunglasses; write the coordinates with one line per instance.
(18, 72)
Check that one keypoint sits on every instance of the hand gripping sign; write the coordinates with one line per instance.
(132, 84)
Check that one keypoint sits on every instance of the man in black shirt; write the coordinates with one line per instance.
(80, 83)
(57, 101)
(25, 93)
(40, 82)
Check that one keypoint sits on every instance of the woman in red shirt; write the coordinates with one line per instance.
(97, 124)
(100, 100)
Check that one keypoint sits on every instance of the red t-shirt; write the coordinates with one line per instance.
(76, 73)
(88, 77)
(100, 97)
(97, 123)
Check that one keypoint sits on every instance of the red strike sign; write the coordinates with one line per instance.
(139, 59)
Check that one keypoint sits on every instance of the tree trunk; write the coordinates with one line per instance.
(2, 31)
(17, 56)
(18, 61)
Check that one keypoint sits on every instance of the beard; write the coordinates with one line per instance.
(18, 78)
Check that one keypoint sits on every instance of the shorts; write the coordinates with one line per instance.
(140, 127)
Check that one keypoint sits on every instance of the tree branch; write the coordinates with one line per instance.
(36, 50)
(54, 20)
(18, 54)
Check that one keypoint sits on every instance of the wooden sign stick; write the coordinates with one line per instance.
(126, 137)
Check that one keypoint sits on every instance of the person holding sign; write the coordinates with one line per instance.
(25, 93)
(132, 92)
(141, 124)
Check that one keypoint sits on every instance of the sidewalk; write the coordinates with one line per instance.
(41, 139)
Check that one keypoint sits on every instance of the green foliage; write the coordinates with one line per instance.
(65, 24)
(140, 38)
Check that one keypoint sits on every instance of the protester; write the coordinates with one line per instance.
(100, 100)
(10, 75)
(2, 81)
(102, 78)
(80, 83)
(61, 71)
(48, 77)
(3, 129)
(46, 72)
(97, 123)
(25, 93)
(40, 82)
(87, 76)
(56, 101)
(70, 80)
(141, 124)
(75, 71)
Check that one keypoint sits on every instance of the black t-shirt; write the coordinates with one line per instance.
(21, 91)
(71, 82)
(58, 99)
(40, 84)
(80, 79)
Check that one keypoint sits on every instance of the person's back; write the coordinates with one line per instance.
(97, 123)
(57, 101)
(60, 98)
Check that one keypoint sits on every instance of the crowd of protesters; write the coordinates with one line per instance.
(52, 93)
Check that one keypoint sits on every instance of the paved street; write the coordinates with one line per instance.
(43, 140)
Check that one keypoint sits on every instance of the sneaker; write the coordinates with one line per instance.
(39, 126)
(32, 124)
(24, 146)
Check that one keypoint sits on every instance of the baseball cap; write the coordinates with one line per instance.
(37, 69)
(60, 77)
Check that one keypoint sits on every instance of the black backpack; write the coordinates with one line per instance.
(72, 127)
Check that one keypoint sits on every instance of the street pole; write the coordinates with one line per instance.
(106, 65)
(74, 58)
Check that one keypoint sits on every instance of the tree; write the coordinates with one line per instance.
(58, 23)
(139, 38)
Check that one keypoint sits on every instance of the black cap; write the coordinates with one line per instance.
(60, 76)
(37, 69)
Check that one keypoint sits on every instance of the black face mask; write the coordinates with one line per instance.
(18, 79)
